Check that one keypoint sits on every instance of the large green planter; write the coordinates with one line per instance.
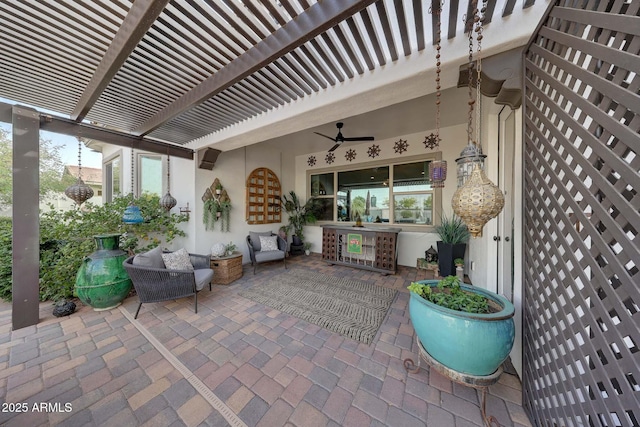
(102, 281)
(474, 344)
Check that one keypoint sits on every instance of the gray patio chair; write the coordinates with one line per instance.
(258, 255)
(154, 283)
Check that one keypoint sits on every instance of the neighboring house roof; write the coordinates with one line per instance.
(90, 176)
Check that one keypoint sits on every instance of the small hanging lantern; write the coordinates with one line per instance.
(132, 214)
(478, 200)
(437, 168)
(79, 192)
(437, 173)
(168, 201)
(470, 155)
(431, 255)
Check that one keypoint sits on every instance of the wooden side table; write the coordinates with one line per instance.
(226, 269)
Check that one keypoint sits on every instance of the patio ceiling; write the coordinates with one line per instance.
(175, 71)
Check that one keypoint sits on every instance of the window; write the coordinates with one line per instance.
(150, 174)
(395, 193)
(112, 178)
(412, 194)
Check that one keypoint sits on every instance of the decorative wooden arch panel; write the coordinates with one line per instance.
(263, 197)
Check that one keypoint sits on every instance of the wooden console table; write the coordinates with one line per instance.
(369, 248)
(226, 269)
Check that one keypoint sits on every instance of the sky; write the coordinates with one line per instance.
(69, 144)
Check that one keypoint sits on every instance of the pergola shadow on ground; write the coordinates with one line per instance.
(235, 363)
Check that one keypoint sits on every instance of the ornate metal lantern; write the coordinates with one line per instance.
(79, 192)
(478, 200)
(168, 201)
(469, 156)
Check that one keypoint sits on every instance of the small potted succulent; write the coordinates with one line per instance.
(307, 248)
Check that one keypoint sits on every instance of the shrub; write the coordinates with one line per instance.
(66, 237)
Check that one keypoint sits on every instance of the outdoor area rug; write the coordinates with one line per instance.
(352, 308)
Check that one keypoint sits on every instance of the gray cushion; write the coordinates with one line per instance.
(152, 259)
(255, 238)
(269, 255)
(203, 276)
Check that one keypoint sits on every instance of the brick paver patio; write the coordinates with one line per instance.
(234, 363)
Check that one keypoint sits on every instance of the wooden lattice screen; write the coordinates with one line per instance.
(263, 197)
(582, 220)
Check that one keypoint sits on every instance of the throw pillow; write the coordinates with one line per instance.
(255, 238)
(152, 258)
(269, 243)
(178, 260)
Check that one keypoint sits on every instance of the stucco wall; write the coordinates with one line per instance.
(411, 244)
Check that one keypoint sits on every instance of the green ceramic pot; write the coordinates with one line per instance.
(474, 344)
(102, 281)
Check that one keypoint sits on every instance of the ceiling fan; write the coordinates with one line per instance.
(339, 139)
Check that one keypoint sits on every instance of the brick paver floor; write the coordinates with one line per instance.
(234, 363)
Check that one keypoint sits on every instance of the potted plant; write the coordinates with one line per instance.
(459, 263)
(228, 249)
(218, 188)
(307, 248)
(467, 329)
(299, 215)
(454, 235)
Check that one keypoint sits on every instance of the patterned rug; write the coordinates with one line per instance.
(352, 308)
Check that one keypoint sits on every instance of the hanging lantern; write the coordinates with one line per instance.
(437, 168)
(132, 214)
(437, 173)
(477, 201)
(168, 201)
(79, 192)
(469, 156)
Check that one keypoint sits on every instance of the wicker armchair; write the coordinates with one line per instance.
(160, 284)
(256, 253)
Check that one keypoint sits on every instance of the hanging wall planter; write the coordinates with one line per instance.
(217, 207)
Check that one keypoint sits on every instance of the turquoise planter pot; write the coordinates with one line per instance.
(102, 282)
(474, 344)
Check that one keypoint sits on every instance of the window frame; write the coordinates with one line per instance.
(437, 192)
(107, 166)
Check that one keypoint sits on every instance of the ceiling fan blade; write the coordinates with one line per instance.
(334, 147)
(360, 138)
(328, 137)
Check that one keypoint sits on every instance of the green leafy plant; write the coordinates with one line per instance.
(306, 246)
(299, 215)
(229, 248)
(458, 261)
(449, 294)
(66, 237)
(452, 230)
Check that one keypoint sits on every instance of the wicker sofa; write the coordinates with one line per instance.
(154, 283)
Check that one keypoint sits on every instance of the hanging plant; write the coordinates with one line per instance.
(225, 217)
(210, 213)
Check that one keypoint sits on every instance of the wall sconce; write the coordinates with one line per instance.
(185, 211)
